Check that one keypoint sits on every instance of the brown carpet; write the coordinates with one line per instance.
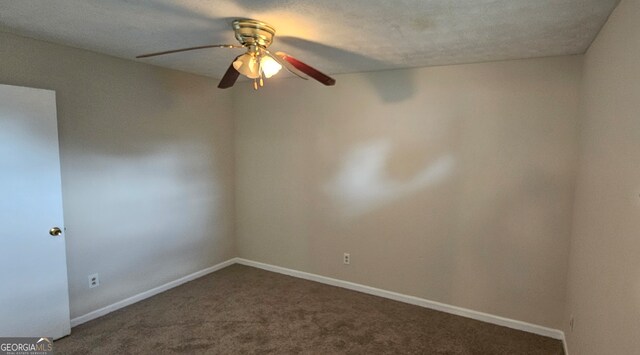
(245, 310)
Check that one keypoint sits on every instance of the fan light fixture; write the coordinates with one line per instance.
(258, 62)
(253, 65)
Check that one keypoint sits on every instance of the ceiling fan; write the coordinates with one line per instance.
(258, 62)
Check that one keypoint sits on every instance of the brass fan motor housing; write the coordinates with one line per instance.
(253, 33)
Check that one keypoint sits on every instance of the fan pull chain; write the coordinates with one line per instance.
(255, 84)
(261, 72)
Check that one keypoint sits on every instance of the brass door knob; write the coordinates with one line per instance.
(55, 231)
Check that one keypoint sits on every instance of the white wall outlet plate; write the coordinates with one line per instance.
(94, 280)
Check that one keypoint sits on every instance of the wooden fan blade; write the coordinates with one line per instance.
(229, 77)
(312, 72)
(189, 49)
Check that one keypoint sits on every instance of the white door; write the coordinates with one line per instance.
(34, 296)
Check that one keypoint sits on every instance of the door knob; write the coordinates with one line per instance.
(55, 231)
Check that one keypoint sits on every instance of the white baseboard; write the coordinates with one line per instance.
(146, 294)
(464, 312)
(468, 313)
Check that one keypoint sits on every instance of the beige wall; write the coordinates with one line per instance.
(604, 279)
(147, 167)
(450, 183)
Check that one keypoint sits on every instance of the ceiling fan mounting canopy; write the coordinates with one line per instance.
(253, 32)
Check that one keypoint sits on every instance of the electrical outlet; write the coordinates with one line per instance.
(347, 258)
(94, 280)
(571, 323)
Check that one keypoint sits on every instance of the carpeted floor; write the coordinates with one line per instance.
(245, 310)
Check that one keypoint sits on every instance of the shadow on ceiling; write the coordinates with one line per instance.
(392, 86)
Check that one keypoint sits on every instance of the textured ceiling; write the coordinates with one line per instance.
(336, 36)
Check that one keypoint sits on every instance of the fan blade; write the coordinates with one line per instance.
(189, 49)
(229, 77)
(312, 72)
(288, 66)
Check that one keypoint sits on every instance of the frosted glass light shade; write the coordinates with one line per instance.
(248, 66)
(269, 66)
